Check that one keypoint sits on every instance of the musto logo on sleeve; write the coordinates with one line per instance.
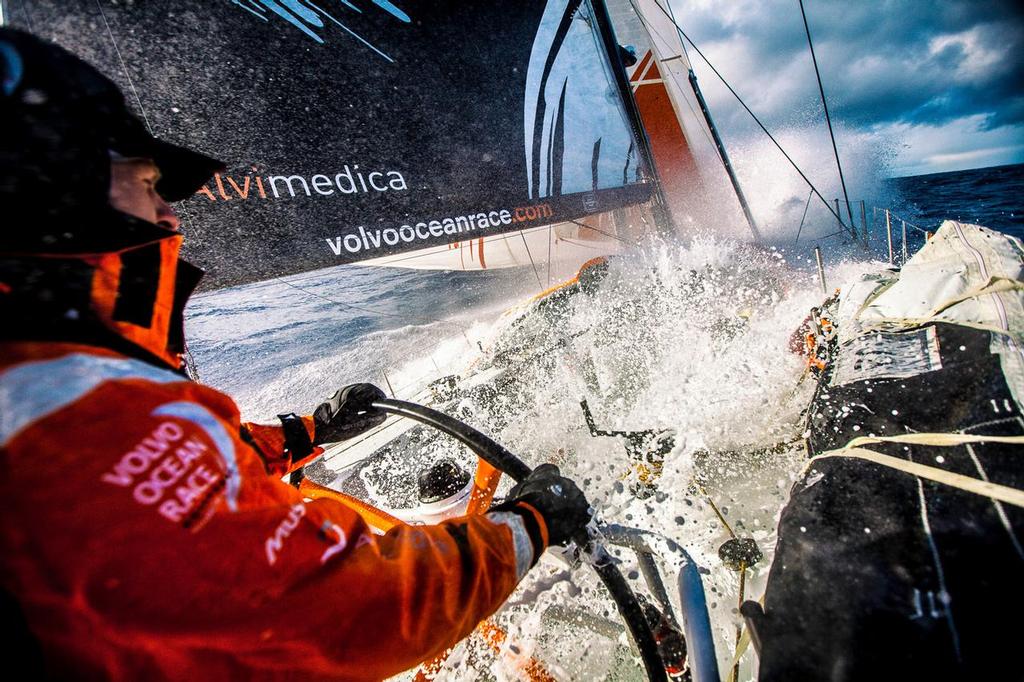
(167, 469)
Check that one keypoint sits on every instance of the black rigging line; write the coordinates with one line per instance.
(368, 311)
(550, 235)
(28, 17)
(142, 109)
(753, 116)
(606, 234)
(180, 208)
(830, 235)
(532, 264)
(828, 119)
(124, 67)
(803, 218)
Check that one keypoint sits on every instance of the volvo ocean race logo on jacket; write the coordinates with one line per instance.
(170, 468)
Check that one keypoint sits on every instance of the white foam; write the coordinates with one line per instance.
(693, 339)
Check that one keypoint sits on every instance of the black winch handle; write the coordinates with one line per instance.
(498, 457)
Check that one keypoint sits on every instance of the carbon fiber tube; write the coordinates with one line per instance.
(700, 641)
(500, 458)
(484, 447)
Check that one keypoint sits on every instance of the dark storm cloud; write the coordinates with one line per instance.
(895, 61)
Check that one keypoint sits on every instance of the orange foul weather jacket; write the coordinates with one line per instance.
(144, 539)
(147, 535)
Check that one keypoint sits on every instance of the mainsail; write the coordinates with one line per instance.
(445, 135)
(683, 155)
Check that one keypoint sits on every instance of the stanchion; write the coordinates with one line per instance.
(821, 269)
(888, 233)
(864, 220)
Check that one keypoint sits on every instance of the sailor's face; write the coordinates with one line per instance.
(133, 191)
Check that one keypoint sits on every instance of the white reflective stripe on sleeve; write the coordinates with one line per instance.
(520, 539)
(33, 390)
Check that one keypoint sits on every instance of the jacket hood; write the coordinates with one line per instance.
(123, 287)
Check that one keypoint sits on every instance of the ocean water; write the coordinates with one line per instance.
(993, 197)
(690, 336)
(285, 344)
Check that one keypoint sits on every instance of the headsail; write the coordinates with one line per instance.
(359, 130)
(685, 155)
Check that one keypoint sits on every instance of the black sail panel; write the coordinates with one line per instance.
(359, 129)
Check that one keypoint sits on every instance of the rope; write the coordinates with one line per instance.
(28, 16)
(361, 309)
(740, 627)
(893, 216)
(911, 322)
(828, 119)
(532, 264)
(721, 518)
(606, 234)
(830, 235)
(933, 439)
(966, 483)
(192, 368)
(741, 648)
(672, 16)
(753, 116)
(803, 218)
(994, 285)
(124, 67)
(743, 644)
(703, 491)
(995, 491)
(740, 630)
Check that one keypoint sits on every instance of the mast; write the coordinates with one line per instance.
(725, 156)
(662, 217)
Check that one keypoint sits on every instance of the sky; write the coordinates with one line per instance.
(937, 84)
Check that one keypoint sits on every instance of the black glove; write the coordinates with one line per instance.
(558, 499)
(348, 413)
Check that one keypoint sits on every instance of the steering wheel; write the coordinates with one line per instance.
(497, 456)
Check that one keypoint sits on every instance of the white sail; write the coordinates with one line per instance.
(557, 246)
(685, 159)
(685, 155)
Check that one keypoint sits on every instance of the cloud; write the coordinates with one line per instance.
(888, 66)
(962, 143)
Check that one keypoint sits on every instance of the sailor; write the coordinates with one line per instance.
(146, 532)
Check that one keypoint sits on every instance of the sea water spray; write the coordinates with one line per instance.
(689, 339)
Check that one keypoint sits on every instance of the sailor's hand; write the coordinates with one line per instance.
(348, 413)
(558, 499)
